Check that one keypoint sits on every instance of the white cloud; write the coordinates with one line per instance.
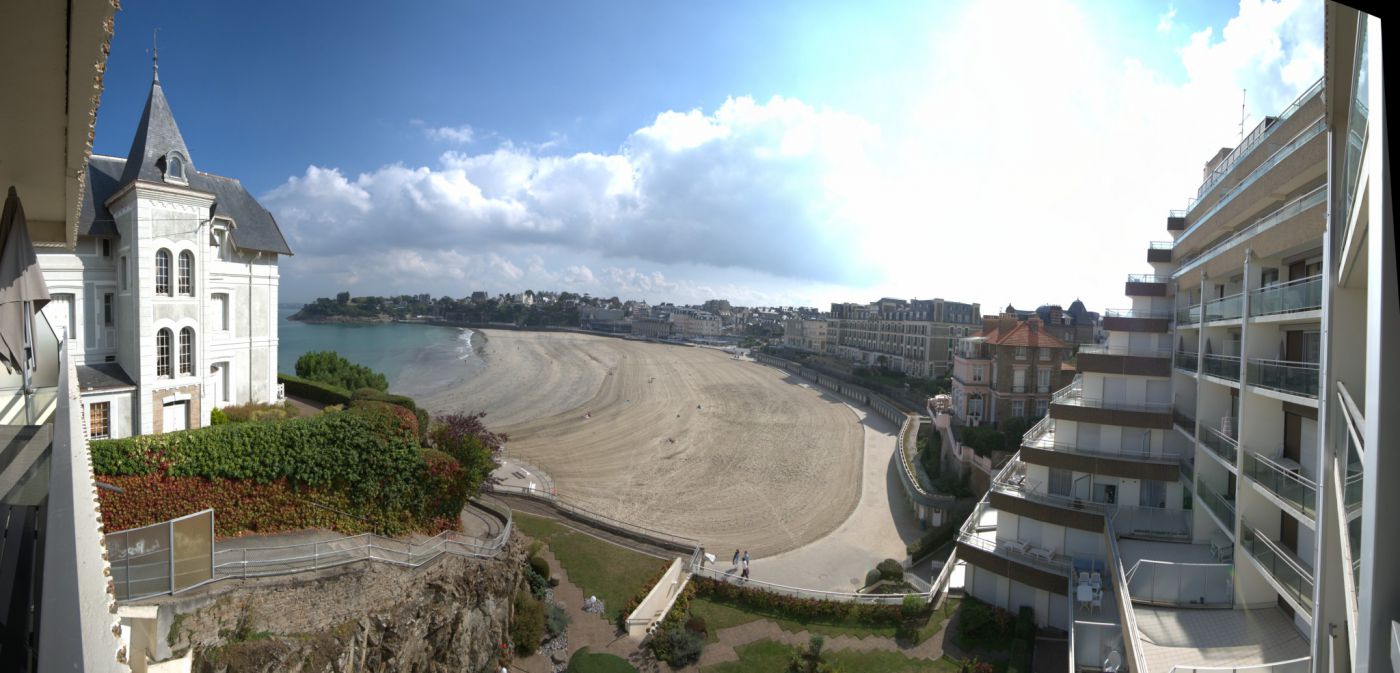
(1164, 22)
(1008, 178)
(460, 135)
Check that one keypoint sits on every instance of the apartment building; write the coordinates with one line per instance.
(1007, 370)
(914, 337)
(695, 323)
(1198, 496)
(806, 334)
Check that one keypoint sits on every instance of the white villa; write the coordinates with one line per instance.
(169, 297)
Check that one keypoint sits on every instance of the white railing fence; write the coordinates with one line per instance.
(1182, 584)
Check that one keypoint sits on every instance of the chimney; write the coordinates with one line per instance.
(1006, 322)
(1033, 324)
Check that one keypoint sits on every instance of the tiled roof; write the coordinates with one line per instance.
(1021, 335)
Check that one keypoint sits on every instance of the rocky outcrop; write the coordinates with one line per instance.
(450, 615)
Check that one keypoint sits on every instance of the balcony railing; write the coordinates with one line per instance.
(1160, 245)
(1222, 366)
(1182, 417)
(1307, 134)
(1018, 389)
(1188, 315)
(1188, 469)
(1304, 294)
(1013, 550)
(1256, 136)
(1190, 262)
(1152, 522)
(36, 405)
(1221, 507)
(1355, 487)
(1135, 313)
(1185, 360)
(1073, 395)
(1137, 351)
(1176, 213)
(1147, 278)
(1225, 308)
(1288, 485)
(1043, 436)
(1297, 378)
(1286, 569)
(1012, 481)
(1222, 444)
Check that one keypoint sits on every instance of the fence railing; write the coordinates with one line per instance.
(575, 510)
(1139, 351)
(1197, 585)
(1043, 436)
(1186, 360)
(1221, 366)
(1301, 665)
(1288, 485)
(1147, 278)
(1222, 444)
(1188, 315)
(1216, 504)
(1225, 308)
(245, 562)
(162, 558)
(1297, 378)
(1190, 262)
(713, 573)
(1152, 522)
(1304, 294)
(1245, 148)
(1135, 313)
(1280, 564)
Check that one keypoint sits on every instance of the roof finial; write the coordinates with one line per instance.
(155, 56)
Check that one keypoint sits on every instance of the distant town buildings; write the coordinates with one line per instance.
(806, 333)
(913, 337)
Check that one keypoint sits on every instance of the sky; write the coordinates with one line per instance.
(777, 153)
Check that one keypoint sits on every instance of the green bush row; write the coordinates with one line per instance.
(316, 391)
(330, 367)
(339, 451)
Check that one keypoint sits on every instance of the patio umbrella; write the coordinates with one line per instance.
(22, 289)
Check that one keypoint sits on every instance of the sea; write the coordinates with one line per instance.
(419, 360)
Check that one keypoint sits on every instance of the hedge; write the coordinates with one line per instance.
(314, 390)
(797, 609)
(336, 451)
(372, 395)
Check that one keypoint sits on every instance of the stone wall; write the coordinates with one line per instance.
(449, 615)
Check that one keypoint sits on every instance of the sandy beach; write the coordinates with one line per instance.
(682, 439)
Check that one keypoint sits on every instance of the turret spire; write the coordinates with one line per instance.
(155, 56)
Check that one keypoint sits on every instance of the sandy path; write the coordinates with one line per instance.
(756, 462)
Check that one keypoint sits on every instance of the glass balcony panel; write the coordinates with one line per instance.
(1185, 360)
(1282, 482)
(1356, 119)
(1297, 378)
(1188, 315)
(1248, 144)
(1299, 295)
(1221, 443)
(1225, 308)
(1222, 366)
(1181, 415)
(1287, 571)
(1223, 508)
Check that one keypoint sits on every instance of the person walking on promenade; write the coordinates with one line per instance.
(746, 558)
(746, 572)
(736, 558)
(702, 558)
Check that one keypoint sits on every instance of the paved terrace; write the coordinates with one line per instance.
(1216, 638)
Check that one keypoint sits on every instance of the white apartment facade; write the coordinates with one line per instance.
(1220, 462)
(169, 296)
(914, 337)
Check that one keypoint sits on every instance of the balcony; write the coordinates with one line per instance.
(977, 535)
(1284, 482)
(1131, 320)
(1159, 252)
(1182, 418)
(1225, 308)
(1223, 508)
(1294, 378)
(1186, 263)
(1042, 446)
(1176, 220)
(1288, 573)
(1186, 361)
(1354, 488)
(1018, 389)
(1070, 404)
(1222, 366)
(1256, 137)
(1013, 492)
(1221, 443)
(1146, 285)
(1304, 294)
(1188, 315)
(1125, 360)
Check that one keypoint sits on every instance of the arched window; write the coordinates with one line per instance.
(174, 168)
(162, 271)
(163, 353)
(187, 351)
(186, 277)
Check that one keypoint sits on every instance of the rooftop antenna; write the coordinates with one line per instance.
(155, 55)
(1244, 95)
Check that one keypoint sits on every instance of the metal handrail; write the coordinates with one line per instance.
(1307, 134)
(1160, 245)
(1036, 438)
(1005, 484)
(1147, 278)
(1284, 554)
(782, 589)
(1264, 130)
(1135, 313)
(1176, 213)
(1271, 469)
(1127, 350)
(1206, 494)
(1229, 312)
(1298, 205)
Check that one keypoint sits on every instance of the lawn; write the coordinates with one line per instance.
(766, 656)
(722, 615)
(601, 569)
(584, 661)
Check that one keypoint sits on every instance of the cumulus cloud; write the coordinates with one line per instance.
(1164, 22)
(460, 135)
(759, 186)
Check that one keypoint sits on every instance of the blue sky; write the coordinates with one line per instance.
(777, 152)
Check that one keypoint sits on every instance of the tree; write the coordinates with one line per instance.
(329, 367)
(342, 297)
(465, 437)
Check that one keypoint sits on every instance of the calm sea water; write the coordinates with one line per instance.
(419, 360)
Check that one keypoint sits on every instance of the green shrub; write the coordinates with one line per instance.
(794, 608)
(914, 606)
(930, 541)
(259, 411)
(871, 577)
(339, 452)
(217, 416)
(556, 620)
(389, 420)
(329, 367)
(527, 624)
(536, 583)
(696, 624)
(891, 570)
(314, 390)
(677, 646)
(540, 566)
(445, 486)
